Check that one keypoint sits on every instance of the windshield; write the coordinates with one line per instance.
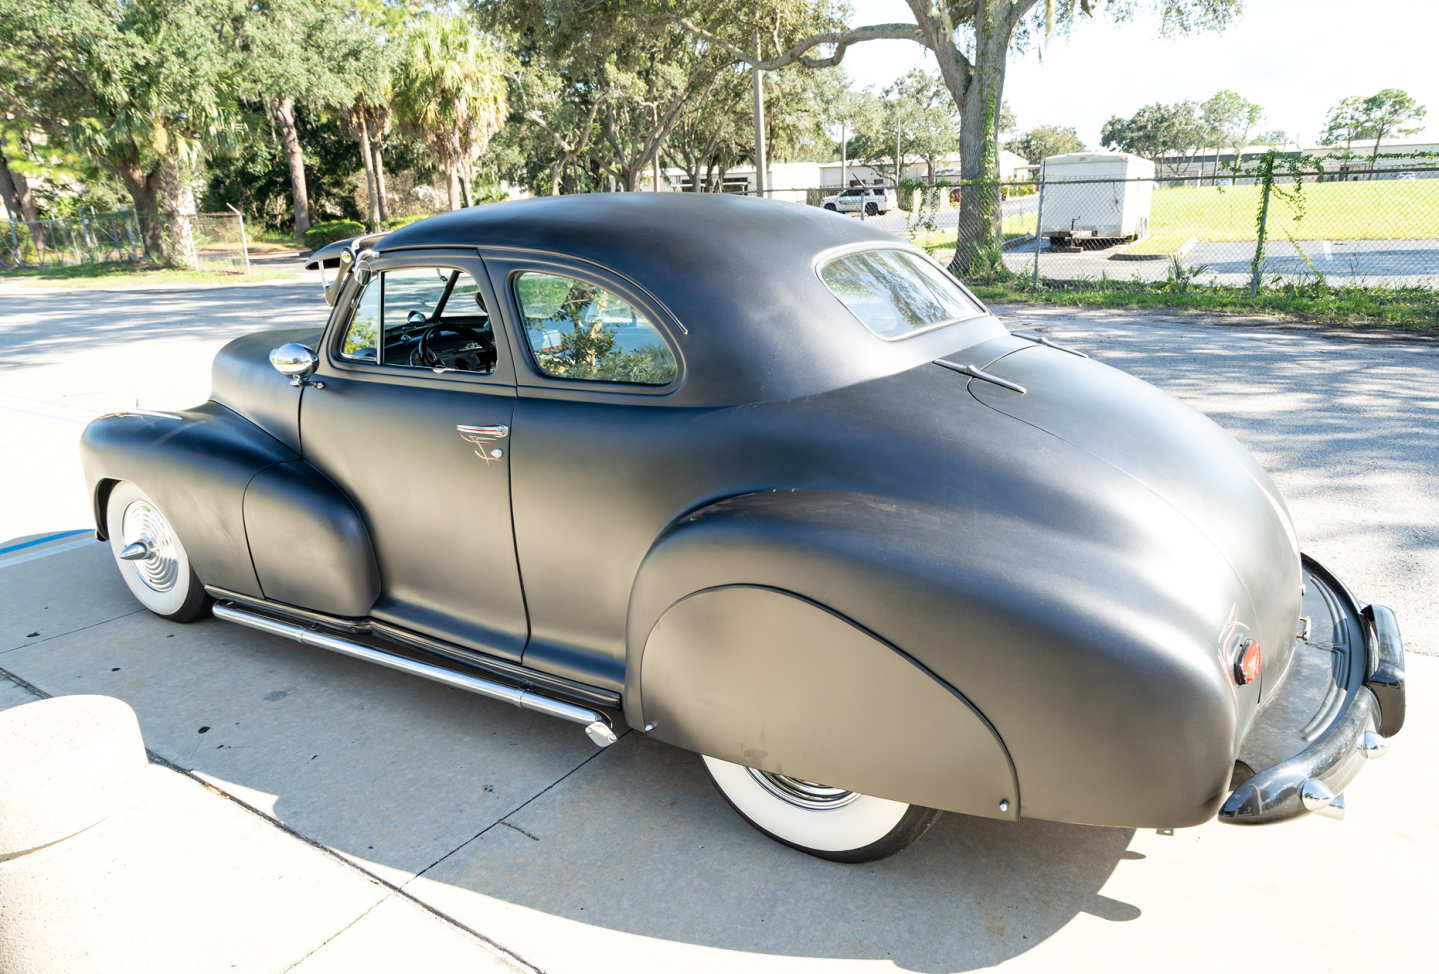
(896, 293)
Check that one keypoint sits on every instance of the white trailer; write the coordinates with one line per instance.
(1094, 198)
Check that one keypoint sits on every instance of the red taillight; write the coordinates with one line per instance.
(1247, 664)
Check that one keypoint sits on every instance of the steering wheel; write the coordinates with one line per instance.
(427, 355)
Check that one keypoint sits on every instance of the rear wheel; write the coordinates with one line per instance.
(831, 823)
(872, 209)
(151, 559)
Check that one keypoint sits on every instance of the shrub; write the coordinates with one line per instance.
(395, 222)
(323, 233)
(488, 193)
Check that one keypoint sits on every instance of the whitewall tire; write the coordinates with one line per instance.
(831, 823)
(161, 576)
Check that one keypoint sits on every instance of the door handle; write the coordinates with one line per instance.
(496, 432)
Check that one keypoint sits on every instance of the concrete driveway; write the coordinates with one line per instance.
(423, 817)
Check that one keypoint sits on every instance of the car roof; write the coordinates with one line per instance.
(737, 272)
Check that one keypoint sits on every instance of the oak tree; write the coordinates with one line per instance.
(970, 40)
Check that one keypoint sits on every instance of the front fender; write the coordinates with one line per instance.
(196, 464)
(309, 545)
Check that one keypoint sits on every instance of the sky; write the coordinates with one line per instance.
(1296, 58)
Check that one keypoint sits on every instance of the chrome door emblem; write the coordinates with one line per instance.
(482, 438)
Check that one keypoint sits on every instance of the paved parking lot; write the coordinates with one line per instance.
(1364, 263)
(453, 817)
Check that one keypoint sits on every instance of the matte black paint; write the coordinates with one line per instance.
(196, 468)
(1046, 582)
(309, 545)
(878, 721)
(263, 396)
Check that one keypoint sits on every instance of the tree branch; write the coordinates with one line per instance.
(938, 26)
(799, 53)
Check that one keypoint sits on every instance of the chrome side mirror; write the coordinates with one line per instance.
(296, 362)
(416, 318)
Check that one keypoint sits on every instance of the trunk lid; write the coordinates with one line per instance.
(1178, 454)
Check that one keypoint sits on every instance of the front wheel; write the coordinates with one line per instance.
(830, 207)
(151, 559)
(827, 822)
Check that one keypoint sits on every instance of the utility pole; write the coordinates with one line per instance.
(898, 160)
(656, 109)
(760, 167)
(843, 156)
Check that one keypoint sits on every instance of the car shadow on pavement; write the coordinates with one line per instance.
(638, 841)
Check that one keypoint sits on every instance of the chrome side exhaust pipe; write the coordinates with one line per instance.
(596, 727)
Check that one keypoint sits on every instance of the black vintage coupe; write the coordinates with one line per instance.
(767, 484)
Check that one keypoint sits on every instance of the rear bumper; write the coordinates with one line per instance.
(1310, 753)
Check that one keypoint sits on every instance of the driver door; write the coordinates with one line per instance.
(411, 418)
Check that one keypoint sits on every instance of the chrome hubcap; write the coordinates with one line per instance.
(159, 569)
(805, 794)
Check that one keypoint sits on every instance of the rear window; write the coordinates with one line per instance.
(896, 293)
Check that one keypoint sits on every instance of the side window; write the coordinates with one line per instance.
(422, 317)
(362, 337)
(579, 330)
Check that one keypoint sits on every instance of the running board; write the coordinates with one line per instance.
(596, 727)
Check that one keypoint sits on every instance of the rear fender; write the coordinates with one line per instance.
(767, 678)
(1098, 672)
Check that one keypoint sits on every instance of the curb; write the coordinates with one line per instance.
(1180, 251)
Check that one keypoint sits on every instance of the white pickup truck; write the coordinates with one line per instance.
(871, 200)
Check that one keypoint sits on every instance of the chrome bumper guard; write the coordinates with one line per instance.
(1372, 712)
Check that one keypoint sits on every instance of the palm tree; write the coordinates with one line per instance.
(366, 120)
(451, 92)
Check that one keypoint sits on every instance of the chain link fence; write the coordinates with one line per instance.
(1276, 225)
(197, 241)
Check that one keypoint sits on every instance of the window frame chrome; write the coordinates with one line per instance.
(464, 259)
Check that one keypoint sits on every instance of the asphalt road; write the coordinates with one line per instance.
(505, 824)
(947, 218)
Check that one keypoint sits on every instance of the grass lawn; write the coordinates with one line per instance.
(1407, 309)
(110, 275)
(285, 246)
(1382, 209)
(263, 240)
